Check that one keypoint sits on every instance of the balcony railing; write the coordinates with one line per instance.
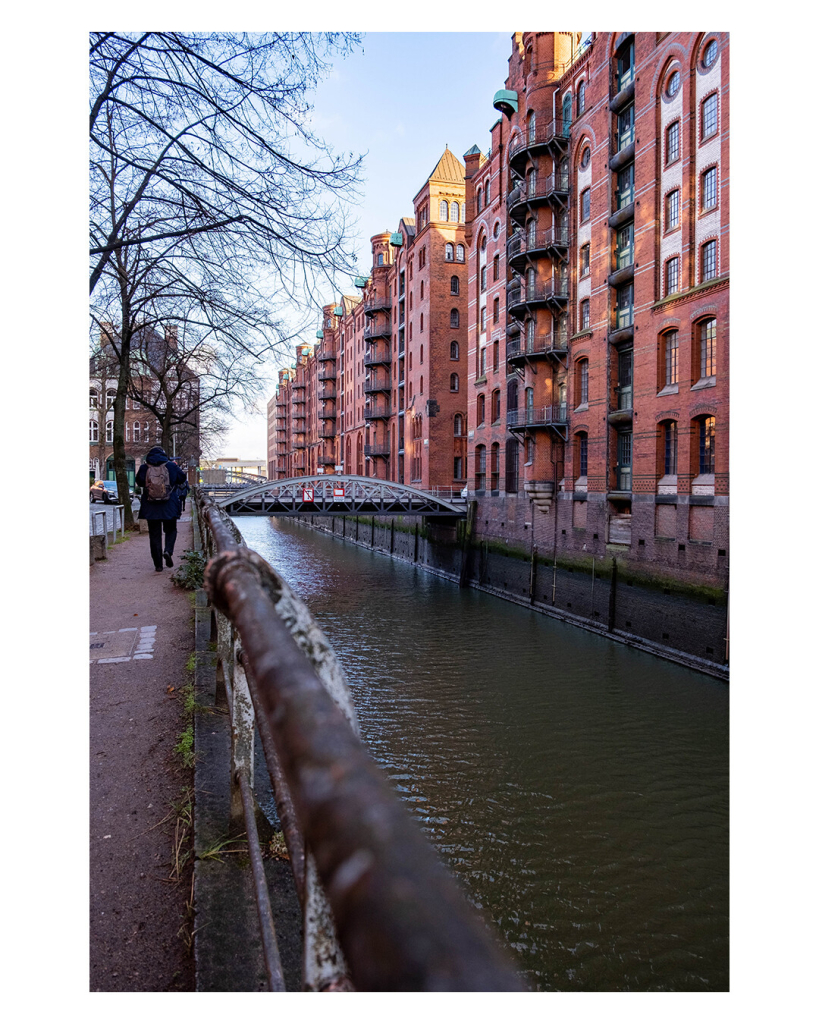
(326, 375)
(382, 450)
(541, 189)
(376, 303)
(377, 331)
(328, 392)
(377, 411)
(557, 131)
(541, 344)
(383, 358)
(327, 460)
(373, 386)
(538, 416)
(327, 414)
(326, 357)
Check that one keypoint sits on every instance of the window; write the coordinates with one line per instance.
(584, 260)
(449, 252)
(625, 246)
(707, 432)
(670, 353)
(707, 344)
(585, 205)
(709, 116)
(454, 318)
(496, 267)
(672, 210)
(672, 86)
(709, 54)
(110, 398)
(460, 253)
(496, 229)
(531, 182)
(145, 432)
(483, 279)
(488, 192)
(511, 466)
(625, 65)
(455, 211)
(93, 430)
(672, 276)
(443, 210)
(581, 98)
(483, 318)
(585, 315)
(672, 143)
(583, 382)
(530, 450)
(457, 468)
(479, 200)
(567, 112)
(532, 126)
(482, 362)
(481, 410)
(93, 399)
(496, 354)
(625, 305)
(453, 350)
(496, 406)
(494, 467)
(381, 259)
(625, 186)
(458, 425)
(421, 386)
(583, 454)
(422, 285)
(480, 467)
(709, 261)
(585, 159)
(670, 448)
(127, 431)
(496, 310)
(709, 189)
(136, 430)
(453, 382)
(625, 128)
(454, 286)
(421, 326)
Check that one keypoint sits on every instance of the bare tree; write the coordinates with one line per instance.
(211, 203)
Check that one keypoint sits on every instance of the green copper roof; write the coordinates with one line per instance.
(361, 282)
(319, 333)
(506, 101)
(396, 238)
(339, 311)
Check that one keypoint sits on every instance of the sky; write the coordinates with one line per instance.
(390, 102)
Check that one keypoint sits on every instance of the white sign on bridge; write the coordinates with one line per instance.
(307, 494)
(338, 492)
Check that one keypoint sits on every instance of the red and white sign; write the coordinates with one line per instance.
(307, 494)
(338, 492)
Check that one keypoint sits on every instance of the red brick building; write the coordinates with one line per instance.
(608, 211)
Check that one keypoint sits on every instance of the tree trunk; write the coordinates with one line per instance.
(119, 416)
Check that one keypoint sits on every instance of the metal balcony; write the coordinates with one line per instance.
(555, 187)
(377, 450)
(536, 417)
(327, 415)
(377, 331)
(327, 375)
(541, 346)
(326, 357)
(373, 386)
(297, 385)
(554, 292)
(554, 135)
(376, 303)
(377, 411)
(327, 460)
(328, 392)
(378, 358)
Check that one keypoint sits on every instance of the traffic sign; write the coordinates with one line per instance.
(338, 492)
(307, 494)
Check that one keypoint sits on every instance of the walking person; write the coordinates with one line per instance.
(160, 479)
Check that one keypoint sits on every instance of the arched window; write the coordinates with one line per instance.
(496, 267)
(460, 252)
(421, 327)
(481, 410)
(668, 447)
(93, 430)
(93, 399)
(704, 437)
(421, 386)
(581, 460)
(449, 252)
(532, 126)
(109, 431)
(458, 425)
(455, 211)
(127, 431)
(488, 191)
(496, 405)
(531, 182)
(443, 210)
(479, 200)
(581, 98)
(511, 466)
(705, 349)
(494, 467)
(454, 318)
(582, 382)
(567, 111)
(136, 430)
(453, 350)
(453, 382)
(454, 285)
(496, 310)
(110, 398)
(145, 432)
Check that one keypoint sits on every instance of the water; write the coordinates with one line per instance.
(577, 789)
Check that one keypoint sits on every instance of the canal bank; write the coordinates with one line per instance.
(679, 622)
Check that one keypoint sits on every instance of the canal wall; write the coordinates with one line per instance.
(681, 622)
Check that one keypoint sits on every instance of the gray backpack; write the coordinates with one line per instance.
(157, 483)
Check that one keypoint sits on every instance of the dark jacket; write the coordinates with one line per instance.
(172, 508)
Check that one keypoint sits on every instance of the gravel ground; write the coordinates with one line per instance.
(141, 638)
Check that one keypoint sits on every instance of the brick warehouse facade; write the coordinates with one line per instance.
(579, 296)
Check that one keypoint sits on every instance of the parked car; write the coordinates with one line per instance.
(106, 492)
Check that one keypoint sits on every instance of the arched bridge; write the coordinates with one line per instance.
(338, 496)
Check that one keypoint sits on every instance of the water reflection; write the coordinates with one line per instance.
(577, 788)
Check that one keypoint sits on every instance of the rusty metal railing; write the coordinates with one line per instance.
(381, 912)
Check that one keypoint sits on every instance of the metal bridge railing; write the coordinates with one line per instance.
(367, 879)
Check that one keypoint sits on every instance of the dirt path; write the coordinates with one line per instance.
(142, 638)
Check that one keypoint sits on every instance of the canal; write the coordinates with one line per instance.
(578, 789)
